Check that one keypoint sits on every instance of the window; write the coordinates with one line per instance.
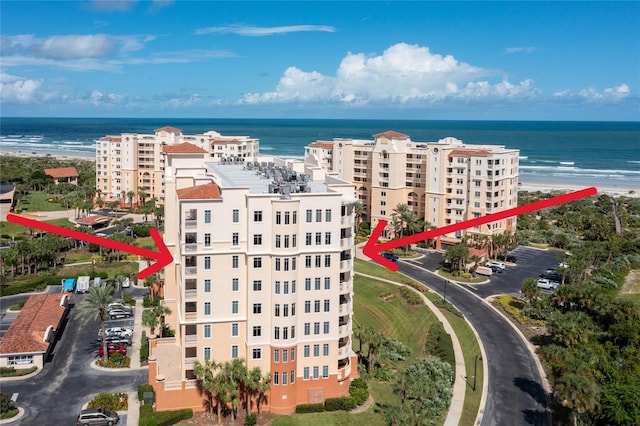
(293, 353)
(257, 216)
(276, 378)
(305, 373)
(327, 283)
(235, 331)
(327, 237)
(307, 328)
(236, 216)
(257, 262)
(207, 216)
(257, 239)
(327, 261)
(295, 220)
(307, 261)
(316, 350)
(257, 285)
(316, 328)
(319, 215)
(234, 307)
(284, 377)
(327, 215)
(278, 218)
(318, 260)
(316, 306)
(207, 353)
(277, 286)
(293, 309)
(235, 286)
(277, 263)
(325, 327)
(307, 306)
(309, 215)
(207, 331)
(235, 261)
(257, 353)
(292, 377)
(235, 239)
(287, 218)
(307, 284)
(325, 349)
(276, 309)
(207, 308)
(286, 241)
(327, 305)
(276, 333)
(293, 334)
(207, 240)
(316, 371)
(318, 238)
(257, 331)
(286, 263)
(20, 360)
(234, 351)
(285, 333)
(294, 240)
(257, 308)
(293, 283)
(325, 371)
(276, 355)
(317, 284)
(207, 262)
(277, 241)
(306, 351)
(207, 286)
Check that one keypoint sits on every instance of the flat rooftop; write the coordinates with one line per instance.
(258, 178)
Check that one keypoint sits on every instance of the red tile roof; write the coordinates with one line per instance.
(322, 144)
(111, 139)
(93, 220)
(168, 129)
(26, 333)
(469, 152)
(201, 192)
(391, 134)
(62, 172)
(183, 148)
(225, 141)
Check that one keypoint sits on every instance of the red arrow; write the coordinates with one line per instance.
(372, 250)
(162, 257)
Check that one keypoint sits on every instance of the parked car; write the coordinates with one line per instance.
(390, 256)
(97, 417)
(118, 339)
(496, 269)
(493, 264)
(546, 284)
(121, 331)
(511, 258)
(119, 313)
(119, 305)
(112, 348)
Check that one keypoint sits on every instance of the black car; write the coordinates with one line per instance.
(511, 258)
(390, 256)
(496, 269)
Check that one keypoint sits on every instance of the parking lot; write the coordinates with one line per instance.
(531, 263)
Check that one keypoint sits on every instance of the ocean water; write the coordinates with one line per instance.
(573, 152)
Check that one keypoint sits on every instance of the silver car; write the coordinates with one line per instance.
(97, 417)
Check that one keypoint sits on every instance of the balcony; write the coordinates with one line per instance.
(191, 338)
(190, 294)
(344, 331)
(191, 223)
(346, 265)
(190, 316)
(190, 270)
(344, 370)
(344, 344)
(346, 286)
(190, 247)
(344, 308)
(346, 243)
(346, 220)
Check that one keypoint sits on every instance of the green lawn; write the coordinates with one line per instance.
(10, 230)
(113, 269)
(37, 201)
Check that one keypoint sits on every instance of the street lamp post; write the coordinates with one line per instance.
(475, 370)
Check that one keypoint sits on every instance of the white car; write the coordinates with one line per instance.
(120, 331)
(119, 305)
(493, 264)
(546, 284)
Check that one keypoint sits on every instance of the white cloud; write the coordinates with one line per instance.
(99, 99)
(251, 31)
(402, 74)
(75, 47)
(592, 95)
(19, 90)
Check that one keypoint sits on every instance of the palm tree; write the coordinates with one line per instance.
(264, 385)
(208, 383)
(405, 221)
(142, 196)
(94, 306)
(130, 195)
(149, 319)
(457, 255)
(160, 311)
(530, 289)
(359, 211)
(252, 386)
(577, 392)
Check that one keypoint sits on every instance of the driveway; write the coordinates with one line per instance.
(55, 396)
(516, 395)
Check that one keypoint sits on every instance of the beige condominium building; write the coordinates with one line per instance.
(444, 182)
(131, 162)
(263, 271)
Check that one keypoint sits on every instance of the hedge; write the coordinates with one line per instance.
(112, 401)
(35, 283)
(310, 408)
(162, 418)
(144, 388)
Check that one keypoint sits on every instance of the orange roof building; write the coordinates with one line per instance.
(30, 337)
(209, 191)
(63, 175)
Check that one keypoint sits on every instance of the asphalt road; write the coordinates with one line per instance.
(55, 396)
(516, 395)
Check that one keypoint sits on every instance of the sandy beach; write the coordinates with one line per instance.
(603, 188)
(57, 156)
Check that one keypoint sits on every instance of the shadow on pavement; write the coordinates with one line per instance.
(534, 389)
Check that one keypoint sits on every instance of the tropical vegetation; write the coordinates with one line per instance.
(94, 306)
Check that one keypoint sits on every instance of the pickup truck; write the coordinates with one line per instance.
(483, 270)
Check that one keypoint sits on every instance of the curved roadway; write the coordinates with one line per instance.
(516, 395)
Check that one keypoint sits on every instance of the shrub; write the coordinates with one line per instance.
(309, 408)
(359, 383)
(144, 347)
(129, 299)
(348, 403)
(251, 420)
(144, 388)
(12, 372)
(359, 394)
(148, 301)
(18, 306)
(7, 370)
(409, 296)
(333, 404)
(6, 404)
(112, 401)
(124, 363)
(141, 230)
(162, 418)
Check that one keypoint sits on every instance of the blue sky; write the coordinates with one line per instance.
(400, 60)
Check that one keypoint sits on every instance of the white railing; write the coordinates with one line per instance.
(189, 316)
(346, 265)
(344, 330)
(190, 247)
(190, 294)
(346, 242)
(344, 308)
(346, 220)
(190, 270)
(190, 338)
(191, 223)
